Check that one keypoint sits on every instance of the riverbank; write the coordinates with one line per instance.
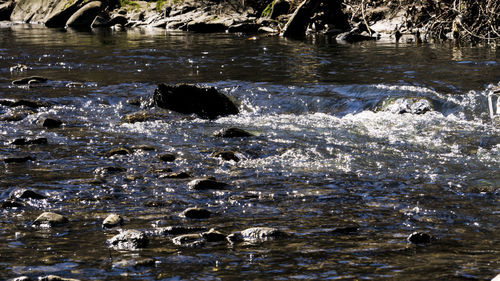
(346, 21)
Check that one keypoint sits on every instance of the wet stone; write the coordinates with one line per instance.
(112, 220)
(9, 203)
(117, 151)
(143, 147)
(21, 278)
(226, 155)
(181, 175)
(23, 141)
(135, 263)
(420, 238)
(178, 230)
(141, 116)
(26, 194)
(50, 219)
(196, 213)
(22, 159)
(233, 133)
(55, 278)
(189, 240)
(213, 236)
(29, 80)
(110, 170)
(257, 234)
(51, 123)
(206, 184)
(168, 157)
(345, 230)
(129, 239)
(29, 103)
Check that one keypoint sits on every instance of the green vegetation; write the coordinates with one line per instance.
(267, 11)
(132, 3)
(160, 4)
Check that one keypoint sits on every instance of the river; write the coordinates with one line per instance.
(322, 159)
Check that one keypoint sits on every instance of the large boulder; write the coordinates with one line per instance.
(84, 17)
(207, 103)
(42, 11)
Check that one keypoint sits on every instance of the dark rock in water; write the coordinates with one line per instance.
(415, 105)
(18, 159)
(84, 17)
(112, 220)
(144, 147)
(206, 27)
(117, 20)
(50, 219)
(196, 213)
(29, 142)
(51, 123)
(207, 103)
(110, 170)
(62, 12)
(28, 103)
(6, 10)
(213, 236)
(181, 175)
(420, 238)
(168, 157)
(24, 193)
(353, 37)
(189, 240)
(30, 80)
(178, 230)
(141, 116)
(11, 204)
(233, 133)
(129, 239)
(280, 7)
(226, 155)
(117, 151)
(206, 184)
(346, 230)
(13, 117)
(244, 28)
(257, 234)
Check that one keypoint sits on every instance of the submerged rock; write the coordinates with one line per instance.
(226, 155)
(22, 159)
(420, 238)
(117, 151)
(141, 116)
(196, 213)
(112, 220)
(189, 240)
(55, 278)
(178, 230)
(129, 239)
(213, 236)
(30, 80)
(257, 234)
(50, 219)
(232, 133)
(207, 103)
(51, 123)
(206, 184)
(180, 175)
(109, 170)
(9, 203)
(24, 193)
(167, 157)
(28, 103)
(29, 141)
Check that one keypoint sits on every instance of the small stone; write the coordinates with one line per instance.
(112, 220)
(168, 157)
(117, 151)
(420, 238)
(51, 123)
(11, 204)
(206, 183)
(345, 230)
(21, 278)
(141, 116)
(233, 133)
(260, 234)
(18, 159)
(213, 236)
(178, 230)
(226, 155)
(196, 213)
(23, 141)
(55, 278)
(144, 147)
(189, 240)
(50, 219)
(26, 194)
(181, 175)
(129, 239)
(110, 170)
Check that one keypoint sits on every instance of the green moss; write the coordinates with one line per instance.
(129, 3)
(267, 11)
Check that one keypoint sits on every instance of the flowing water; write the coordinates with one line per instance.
(322, 159)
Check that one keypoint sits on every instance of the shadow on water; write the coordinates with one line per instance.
(347, 181)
